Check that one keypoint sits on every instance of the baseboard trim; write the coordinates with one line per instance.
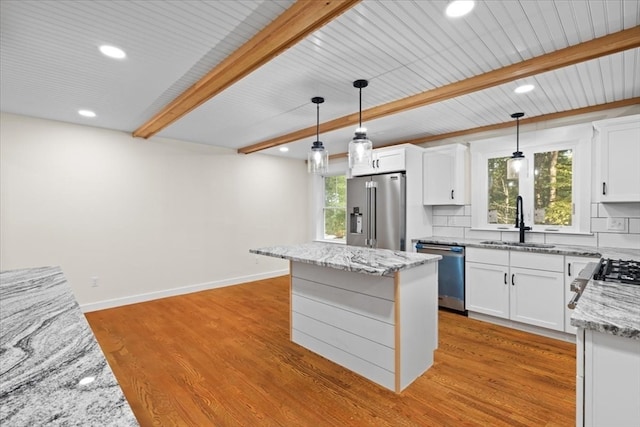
(134, 299)
(549, 333)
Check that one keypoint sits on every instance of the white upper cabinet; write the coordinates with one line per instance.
(383, 160)
(445, 175)
(618, 148)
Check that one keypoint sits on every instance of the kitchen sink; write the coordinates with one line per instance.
(524, 245)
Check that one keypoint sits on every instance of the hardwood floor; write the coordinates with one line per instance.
(223, 358)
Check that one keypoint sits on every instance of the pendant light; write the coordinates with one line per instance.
(517, 164)
(360, 147)
(318, 157)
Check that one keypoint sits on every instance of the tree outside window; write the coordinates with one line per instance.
(502, 193)
(553, 176)
(552, 189)
(335, 207)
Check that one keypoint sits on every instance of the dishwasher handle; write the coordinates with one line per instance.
(456, 249)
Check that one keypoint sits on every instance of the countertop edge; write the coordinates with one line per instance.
(349, 258)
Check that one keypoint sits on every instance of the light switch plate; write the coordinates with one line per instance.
(615, 224)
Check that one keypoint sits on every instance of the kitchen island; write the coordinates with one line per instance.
(373, 311)
(52, 371)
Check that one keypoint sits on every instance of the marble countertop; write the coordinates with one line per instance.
(612, 308)
(47, 349)
(377, 262)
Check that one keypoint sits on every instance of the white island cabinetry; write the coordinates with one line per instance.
(373, 311)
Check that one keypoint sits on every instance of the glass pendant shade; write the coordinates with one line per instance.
(318, 157)
(360, 147)
(517, 164)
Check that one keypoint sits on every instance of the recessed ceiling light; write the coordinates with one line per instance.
(86, 113)
(459, 8)
(112, 51)
(524, 89)
(284, 149)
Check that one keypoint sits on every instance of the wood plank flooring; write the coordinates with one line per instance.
(223, 358)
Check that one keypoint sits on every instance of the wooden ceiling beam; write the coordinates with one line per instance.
(528, 120)
(602, 46)
(297, 22)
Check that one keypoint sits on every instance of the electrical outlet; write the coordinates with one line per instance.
(615, 224)
(94, 281)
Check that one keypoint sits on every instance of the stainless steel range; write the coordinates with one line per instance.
(607, 270)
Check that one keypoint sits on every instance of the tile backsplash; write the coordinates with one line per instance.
(612, 225)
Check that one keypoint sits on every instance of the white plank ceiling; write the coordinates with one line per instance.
(51, 67)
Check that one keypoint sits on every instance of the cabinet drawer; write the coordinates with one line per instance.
(537, 261)
(488, 256)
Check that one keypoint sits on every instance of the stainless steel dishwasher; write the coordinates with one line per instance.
(450, 274)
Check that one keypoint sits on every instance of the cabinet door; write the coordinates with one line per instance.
(573, 267)
(487, 289)
(620, 151)
(537, 297)
(389, 161)
(438, 169)
(611, 380)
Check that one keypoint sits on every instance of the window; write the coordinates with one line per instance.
(552, 189)
(555, 187)
(335, 207)
(502, 193)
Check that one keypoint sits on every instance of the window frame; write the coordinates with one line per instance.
(338, 167)
(325, 207)
(578, 138)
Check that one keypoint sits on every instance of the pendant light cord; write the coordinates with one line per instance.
(360, 120)
(318, 122)
(517, 133)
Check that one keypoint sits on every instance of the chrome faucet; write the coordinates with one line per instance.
(520, 218)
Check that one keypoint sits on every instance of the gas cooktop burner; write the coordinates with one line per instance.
(620, 271)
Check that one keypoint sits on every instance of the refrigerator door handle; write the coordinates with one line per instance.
(371, 187)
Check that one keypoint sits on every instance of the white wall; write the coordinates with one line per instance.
(149, 218)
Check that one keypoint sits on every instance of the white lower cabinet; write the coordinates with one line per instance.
(487, 290)
(608, 380)
(500, 283)
(537, 298)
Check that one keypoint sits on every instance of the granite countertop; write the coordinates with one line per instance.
(358, 259)
(541, 248)
(612, 308)
(47, 348)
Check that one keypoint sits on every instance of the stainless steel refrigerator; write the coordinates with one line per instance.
(376, 211)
